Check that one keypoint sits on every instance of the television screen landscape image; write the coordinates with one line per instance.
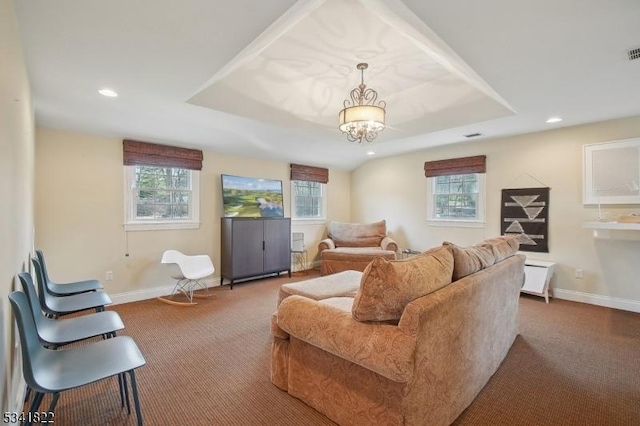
(251, 197)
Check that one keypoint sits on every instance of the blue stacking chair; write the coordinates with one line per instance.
(50, 371)
(56, 333)
(66, 289)
(55, 306)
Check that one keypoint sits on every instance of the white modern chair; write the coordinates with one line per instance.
(190, 271)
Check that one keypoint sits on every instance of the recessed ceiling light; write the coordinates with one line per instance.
(553, 120)
(108, 92)
(371, 153)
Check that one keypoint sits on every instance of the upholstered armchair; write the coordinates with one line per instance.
(351, 246)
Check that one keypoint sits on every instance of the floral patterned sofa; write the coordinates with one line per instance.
(351, 246)
(406, 342)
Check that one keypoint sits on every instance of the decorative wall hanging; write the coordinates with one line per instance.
(525, 212)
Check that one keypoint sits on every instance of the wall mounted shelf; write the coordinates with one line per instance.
(612, 225)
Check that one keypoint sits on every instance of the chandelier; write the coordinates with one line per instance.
(363, 115)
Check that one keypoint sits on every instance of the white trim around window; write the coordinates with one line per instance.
(458, 223)
(321, 219)
(133, 224)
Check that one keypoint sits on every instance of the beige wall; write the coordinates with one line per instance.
(80, 211)
(79, 207)
(394, 189)
(16, 187)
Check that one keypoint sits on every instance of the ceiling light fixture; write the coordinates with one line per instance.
(108, 93)
(363, 115)
(554, 120)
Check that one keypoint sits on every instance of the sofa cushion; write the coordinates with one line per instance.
(344, 283)
(351, 258)
(503, 247)
(357, 234)
(388, 285)
(468, 260)
(357, 253)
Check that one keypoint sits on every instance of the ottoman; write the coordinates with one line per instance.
(342, 284)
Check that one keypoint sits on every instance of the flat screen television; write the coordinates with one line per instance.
(251, 197)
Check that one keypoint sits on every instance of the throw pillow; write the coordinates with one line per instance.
(468, 260)
(387, 286)
(503, 247)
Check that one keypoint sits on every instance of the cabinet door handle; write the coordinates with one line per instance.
(263, 245)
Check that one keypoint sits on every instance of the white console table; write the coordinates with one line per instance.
(537, 276)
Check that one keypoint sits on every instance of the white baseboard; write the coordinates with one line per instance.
(597, 299)
(152, 293)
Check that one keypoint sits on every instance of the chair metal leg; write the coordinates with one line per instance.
(54, 401)
(37, 400)
(136, 400)
(27, 394)
(177, 287)
(121, 389)
(202, 284)
(126, 392)
(108, 335)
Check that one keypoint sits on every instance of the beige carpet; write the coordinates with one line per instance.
(573, 364)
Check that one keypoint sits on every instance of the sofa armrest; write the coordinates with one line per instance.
(389, 243)
(381, 348)
(276, 331)
(326, 244)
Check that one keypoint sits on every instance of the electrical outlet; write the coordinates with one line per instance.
(579, 273)
(109, 275)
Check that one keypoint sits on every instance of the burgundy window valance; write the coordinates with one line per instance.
(136, 153)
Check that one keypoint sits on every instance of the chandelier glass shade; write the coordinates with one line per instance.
(363, 115)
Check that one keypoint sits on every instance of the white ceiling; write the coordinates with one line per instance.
(268, 78)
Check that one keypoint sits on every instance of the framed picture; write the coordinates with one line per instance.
(611, 172)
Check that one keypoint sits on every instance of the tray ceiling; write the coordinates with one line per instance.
(300, 70)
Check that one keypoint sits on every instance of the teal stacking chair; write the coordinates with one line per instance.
(56, 333)
(56, 306)
(66, 289)
(49, 371)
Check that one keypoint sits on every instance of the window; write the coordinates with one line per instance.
(309, 200)
(308, 192)
(456, 199)
(161, 197)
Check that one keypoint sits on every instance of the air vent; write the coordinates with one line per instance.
(473, 135)
(634, 54)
